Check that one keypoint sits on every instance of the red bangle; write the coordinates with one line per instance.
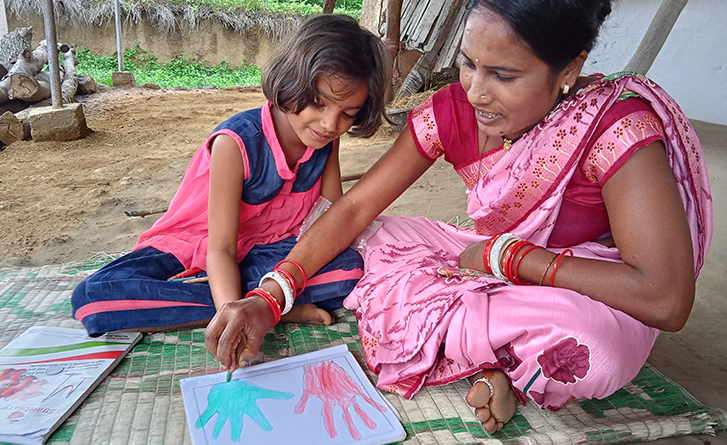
(289, 278)
(555, 266)
(270, 299)
(300, 268)
(516, 279)
(510, 254)
(486, 253)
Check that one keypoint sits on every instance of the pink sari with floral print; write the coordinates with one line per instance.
(423, 321)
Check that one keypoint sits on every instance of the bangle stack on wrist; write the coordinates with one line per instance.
(286, 282)
(502, 255)
(285, 285)
(270, 299)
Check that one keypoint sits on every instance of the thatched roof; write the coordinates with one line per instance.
(169, 17)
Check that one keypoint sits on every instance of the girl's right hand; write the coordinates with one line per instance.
(237, 330)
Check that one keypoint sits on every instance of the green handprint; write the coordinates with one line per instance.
(232, 400)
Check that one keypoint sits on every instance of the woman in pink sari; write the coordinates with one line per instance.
(592, 217)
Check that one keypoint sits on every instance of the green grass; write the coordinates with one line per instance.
(179, 72)
(300, 7)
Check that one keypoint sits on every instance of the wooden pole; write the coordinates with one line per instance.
(328, 6)
(119, 49)
(655, 36)
(50, 37)
(3, 19)
(392, 40)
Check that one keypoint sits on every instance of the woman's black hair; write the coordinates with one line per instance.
(556, 30)
(328, 45)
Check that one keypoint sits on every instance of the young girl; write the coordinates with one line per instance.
(246, 193)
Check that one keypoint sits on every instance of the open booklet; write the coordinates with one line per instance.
(320, 397)
(45, 374)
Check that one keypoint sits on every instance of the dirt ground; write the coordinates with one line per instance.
(66, 201)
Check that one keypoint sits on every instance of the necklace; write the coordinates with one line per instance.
(507, 143)
(484, 145)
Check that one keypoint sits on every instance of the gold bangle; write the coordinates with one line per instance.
(540, 283)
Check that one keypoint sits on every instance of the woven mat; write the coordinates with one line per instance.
(141, 403)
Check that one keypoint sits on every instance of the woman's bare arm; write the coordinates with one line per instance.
(234, 334)
(655, 284)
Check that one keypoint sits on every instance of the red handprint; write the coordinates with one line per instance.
(330, 383)
(15, 384)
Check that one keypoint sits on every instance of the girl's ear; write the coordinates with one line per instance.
(570, 74)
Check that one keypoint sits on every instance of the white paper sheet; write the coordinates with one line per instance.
(297, 399)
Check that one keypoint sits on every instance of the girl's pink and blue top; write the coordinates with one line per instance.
(275, 198)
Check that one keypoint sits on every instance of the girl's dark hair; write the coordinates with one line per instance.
(556, 30)
(325, 45)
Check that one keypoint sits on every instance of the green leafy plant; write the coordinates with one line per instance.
(300, 7)
(181, 71)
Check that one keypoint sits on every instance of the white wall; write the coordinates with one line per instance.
(692, 64)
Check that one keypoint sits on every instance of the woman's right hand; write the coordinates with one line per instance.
(471, 257)
(237, 330)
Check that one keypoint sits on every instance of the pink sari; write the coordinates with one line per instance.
(423, 321)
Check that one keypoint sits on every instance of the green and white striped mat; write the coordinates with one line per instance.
(140, 403)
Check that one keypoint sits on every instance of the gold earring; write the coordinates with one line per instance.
(566, 88)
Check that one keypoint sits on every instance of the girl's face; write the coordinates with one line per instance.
(510, 88)
(338, 102)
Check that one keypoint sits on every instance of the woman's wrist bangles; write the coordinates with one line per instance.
(286, 282)
(496, 253)
(503, 253)
(300, 268)
(270, 299)
(555, 266)
(500, 253)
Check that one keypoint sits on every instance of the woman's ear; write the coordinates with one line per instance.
(570, 74)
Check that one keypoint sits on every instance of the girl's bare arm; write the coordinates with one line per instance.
(331, 179)
(225, 195)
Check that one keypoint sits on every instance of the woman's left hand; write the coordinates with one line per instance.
(471, 257)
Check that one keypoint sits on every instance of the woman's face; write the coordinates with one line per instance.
(510, 88)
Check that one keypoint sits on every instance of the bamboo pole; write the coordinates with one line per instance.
(50, 37)
(119, 49)
(329, 6)
(392, 40)
(655, 36)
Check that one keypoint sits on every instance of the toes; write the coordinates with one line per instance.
(478, 395)
(483, 414)
(491, 425)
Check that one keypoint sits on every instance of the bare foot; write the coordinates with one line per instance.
(307, 313)
(493, 411)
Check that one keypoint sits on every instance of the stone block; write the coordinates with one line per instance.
(58, 124)
(123, 79)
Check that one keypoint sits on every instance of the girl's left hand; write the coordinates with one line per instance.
(471, 257)
(237, 330)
